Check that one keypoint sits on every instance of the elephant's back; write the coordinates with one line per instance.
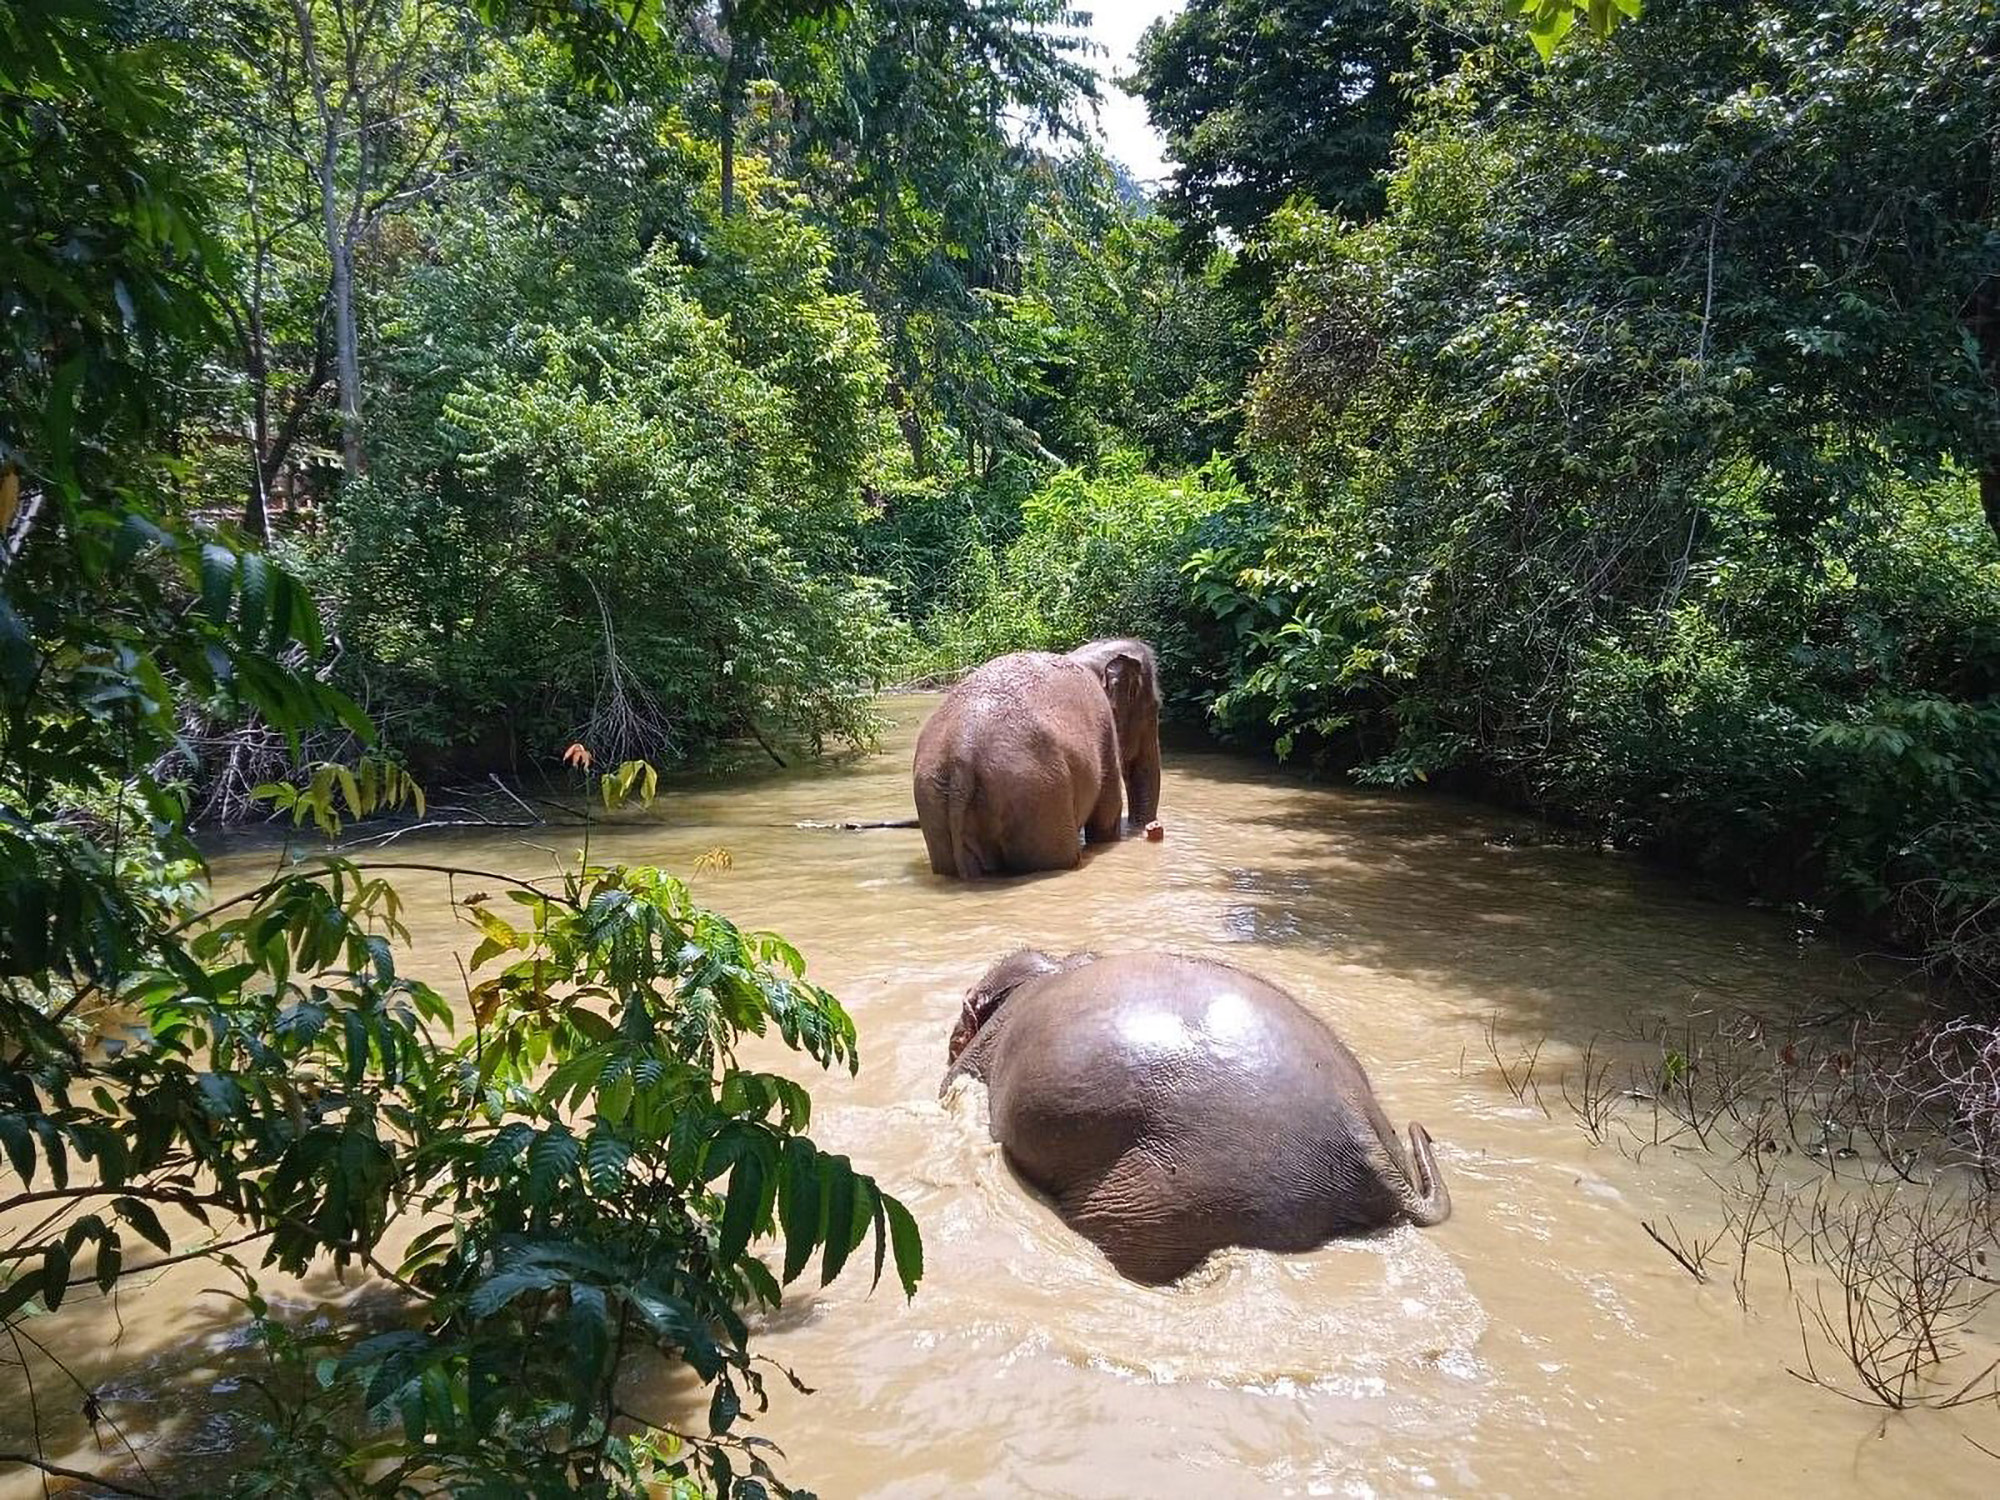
(1134, 1045)
(1022, 688)
(1031, 714)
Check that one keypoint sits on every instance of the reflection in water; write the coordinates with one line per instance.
(1536, 1344)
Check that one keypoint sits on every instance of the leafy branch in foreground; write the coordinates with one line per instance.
(589, 1168)
(255, 1083)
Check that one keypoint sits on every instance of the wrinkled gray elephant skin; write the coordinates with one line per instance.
(1171, 1106)
(1032, 747)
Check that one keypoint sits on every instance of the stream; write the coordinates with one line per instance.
(1540, 1342)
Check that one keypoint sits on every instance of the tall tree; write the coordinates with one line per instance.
(1260, 101)
(380, 79)
(913, 149)
(737, 38)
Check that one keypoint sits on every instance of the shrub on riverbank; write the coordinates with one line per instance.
(628, 517)
(1617, 470)
(253, 1083)
(1100, 551)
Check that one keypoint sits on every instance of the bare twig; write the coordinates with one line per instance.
(95, 1481)
(1691, 1256)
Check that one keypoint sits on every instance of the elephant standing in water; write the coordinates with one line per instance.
(1033, 746)
(1172, 1106)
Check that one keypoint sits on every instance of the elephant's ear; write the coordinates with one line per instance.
(992, 991)
(972, 1016)
(1125, 680)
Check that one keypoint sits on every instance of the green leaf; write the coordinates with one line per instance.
(139, 1214)
(59, 418)
(837, 1193)
(605, 1158)
(589, 1329)
(20, 1144)
(53, 1151)
(908, 1244)
(511, 1140)
(799, 1204)
(427, 1247)
(614, 1099)
(256, 596)
(740, 1209)
(496, 1291)
(55, 1275)
(551, 1159)
(110, 1260)
(724, 1407)
(218, 580)
(18, 1293)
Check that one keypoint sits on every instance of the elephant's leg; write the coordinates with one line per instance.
(937, 842)
(1138, 1214)
(934, 818)
(1041, 840)
(1104, 822)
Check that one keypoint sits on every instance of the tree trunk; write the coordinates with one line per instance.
(339, 247)
(728, 159)
(1982, 321)
(257, 365)
(256, 510)
(730, 90)
(347, 362)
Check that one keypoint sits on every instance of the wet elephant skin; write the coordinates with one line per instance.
(1031, 748)
(1171, 1106)
(1017, 758)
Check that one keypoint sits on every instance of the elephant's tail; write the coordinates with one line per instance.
(1426, 1201)
(970, 866)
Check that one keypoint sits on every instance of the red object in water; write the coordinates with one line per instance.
(1155, 832)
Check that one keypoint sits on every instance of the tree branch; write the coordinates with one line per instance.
(97, 1481)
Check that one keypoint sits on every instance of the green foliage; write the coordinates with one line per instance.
(1112, 341)
(1623, 468)
(590, 1170)
(1261, 102)
(1099, 553)
(592, 1164)
(1548, 22)
(909, 152)
(647, 511)
(101, 232)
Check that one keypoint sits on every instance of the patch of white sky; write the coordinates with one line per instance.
(1125, 133)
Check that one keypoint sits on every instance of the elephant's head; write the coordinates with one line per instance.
(1129, 670)
(1132, 683)
(998, 982)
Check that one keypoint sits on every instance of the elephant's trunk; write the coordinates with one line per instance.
(1427, 1201)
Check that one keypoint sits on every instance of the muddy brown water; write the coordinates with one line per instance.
(1539, 1343)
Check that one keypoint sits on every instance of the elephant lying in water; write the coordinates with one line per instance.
(1172, 1106)
(1033, 746)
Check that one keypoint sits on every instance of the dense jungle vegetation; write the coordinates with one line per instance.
(397, 388)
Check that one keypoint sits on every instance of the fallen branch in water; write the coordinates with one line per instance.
(1691, 1266)
(97, 1481)
(463, 816)
(431, 825)
(512, 796)
(854, 823)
